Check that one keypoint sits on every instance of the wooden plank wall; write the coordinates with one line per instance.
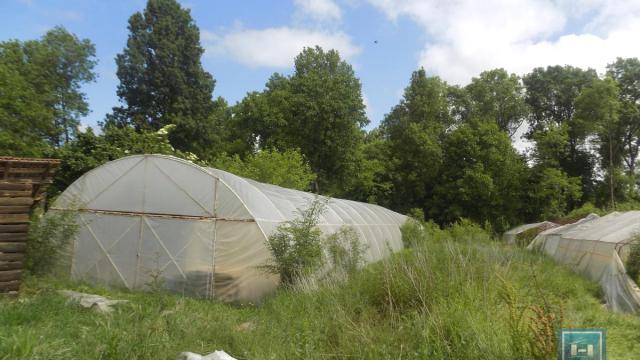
(23, 184)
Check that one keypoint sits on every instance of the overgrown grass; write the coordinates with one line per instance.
(444, 298)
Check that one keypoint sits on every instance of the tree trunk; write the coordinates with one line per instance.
(613, 203)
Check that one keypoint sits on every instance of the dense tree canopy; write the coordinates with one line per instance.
(551, 94)
(597, 107)
(288, 168)
(162, 80)
(498, 96)
(444, 151)
(319, 110)
(414, 130)
(626, 72)
(41, 101)
(72, 61)
(482, 179)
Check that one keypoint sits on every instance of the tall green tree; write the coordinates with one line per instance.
(318, 109)
(41, 101)
(162, 80)
(415, 130)
(482, 179)
(598, 106)
(372, 182)
(626, 72)
(551, 193)
(498, 96)
(328, 114)
(261, 119)
(26, 119)
(551, 94)
(71, 62)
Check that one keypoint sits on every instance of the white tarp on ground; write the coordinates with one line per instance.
(199, 230)
(598, 247)
(511, 235)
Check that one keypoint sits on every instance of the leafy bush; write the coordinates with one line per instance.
(416, 214)
(553, 191)
(416, 233)
(526, 237)
(633, 262)
(296, 245)
(628, 205)
(50, 235)
(88, 151)
(581, 212)
(345, 250)
(467, 230)
(532, 327)
(589, 208)
(287, 168)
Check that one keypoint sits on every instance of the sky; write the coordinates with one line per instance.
(246, 41)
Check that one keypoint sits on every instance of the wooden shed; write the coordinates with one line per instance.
(23, 184)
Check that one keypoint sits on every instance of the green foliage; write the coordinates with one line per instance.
(552, 145)
(526, 237)
(624, 189)
(40, 98)
(552, 192)
(416, 214)
(437, 301)
(50, 236)
(483, 177)
(71, 62)
(626, 72)
(89, 151)
(162, 81)
(371, 180)
(533, 328)
(415, 129)
(468, 230)
(25, 118)
(498, 96)
(633, 261)
(551, 94)
(345, 251)
(598, 106)
(287, 168)
(588, 208)
(296, 245)
(319, 110)
(582, 212)
(417, 233)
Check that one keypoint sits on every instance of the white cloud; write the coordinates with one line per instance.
(274, 47)
(469, 36)
(319, 10)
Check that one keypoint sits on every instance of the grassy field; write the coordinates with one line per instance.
(455, 295)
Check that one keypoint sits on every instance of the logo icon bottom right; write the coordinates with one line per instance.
(582, 344)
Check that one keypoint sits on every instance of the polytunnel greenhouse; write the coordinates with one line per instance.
(598, 247)
(202, 231)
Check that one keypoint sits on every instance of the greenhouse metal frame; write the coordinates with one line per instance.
(199, 230)
(598, 247)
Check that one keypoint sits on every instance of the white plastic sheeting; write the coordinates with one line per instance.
(150, 219)
(511, 235)
(598, 247)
